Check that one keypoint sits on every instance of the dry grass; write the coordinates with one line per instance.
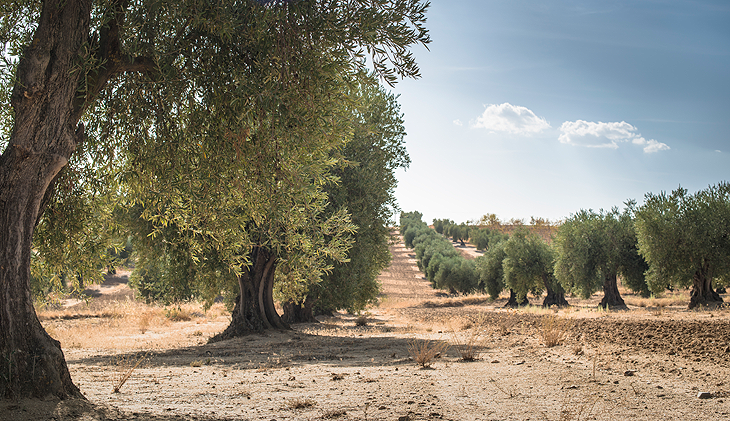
(669, 299)
(333, 414)
(469, 346)
(126, 324)
(424, 351)
(470, 300)
(178, 314)
(552, 330)
(125, 366)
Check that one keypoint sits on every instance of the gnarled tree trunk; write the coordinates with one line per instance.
(702, 292)
(299, 312)
(47, 105)
(254, 310)
(44, 136)
(555, 293)
(611, 297)
(512, 302)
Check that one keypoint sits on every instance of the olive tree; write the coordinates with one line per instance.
(490, 270)
(528, 267)
(174, 83)
(685, 239)
(365, 187)
(594, 249)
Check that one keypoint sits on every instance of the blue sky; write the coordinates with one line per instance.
(542, 108)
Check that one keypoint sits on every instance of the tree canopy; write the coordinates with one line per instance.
(594, 248)
(686, 240)
(528, 267)
(215, 120)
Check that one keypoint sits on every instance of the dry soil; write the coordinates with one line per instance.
(657, 361)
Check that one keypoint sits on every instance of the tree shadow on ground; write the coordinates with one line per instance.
(307, 344)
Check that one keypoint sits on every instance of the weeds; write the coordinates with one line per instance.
(144, 321)
(333, 413)
(125, 366)
(178, 315)
(552, 330)
(425, 351)
(582, 409)
(468, 347)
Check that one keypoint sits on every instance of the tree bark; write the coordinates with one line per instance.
(299, 312)
(254, 310)
(611, 297)
(555, 296)
(702, 292)
(44, 136)
(512, 302)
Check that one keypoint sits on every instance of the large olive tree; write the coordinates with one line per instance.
(594, 249)
(686, 240)
(189, 78)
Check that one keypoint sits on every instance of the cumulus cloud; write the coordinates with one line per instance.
(458, 122)
(606, 135)
(511, 119)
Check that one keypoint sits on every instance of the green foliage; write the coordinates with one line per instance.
(684, 236)
(366, 188)
(491, 271)
(226, 143)
(439, 224)
(443, 265)
(594, 246)
(528, 264)
(484, 238)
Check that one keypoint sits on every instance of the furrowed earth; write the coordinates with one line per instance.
(656, 361)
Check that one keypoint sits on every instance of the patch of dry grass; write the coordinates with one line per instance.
(424, 351)
(670, 299)
(552, 330)
(178, 314)
(123, 324)
(469, 346)
(470, 300)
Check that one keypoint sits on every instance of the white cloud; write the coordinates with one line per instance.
(606, 135)
(511, 119)
(458, 122)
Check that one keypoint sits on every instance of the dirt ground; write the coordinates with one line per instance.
(657, 361)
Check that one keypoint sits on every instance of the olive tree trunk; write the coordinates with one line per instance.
(512, 301)
(555, 293)
(702, 292)
(254, 310)
(299, 312)
(611, 297)
(44, 136)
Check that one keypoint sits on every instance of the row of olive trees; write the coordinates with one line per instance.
(673, 240)
(443, 265)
